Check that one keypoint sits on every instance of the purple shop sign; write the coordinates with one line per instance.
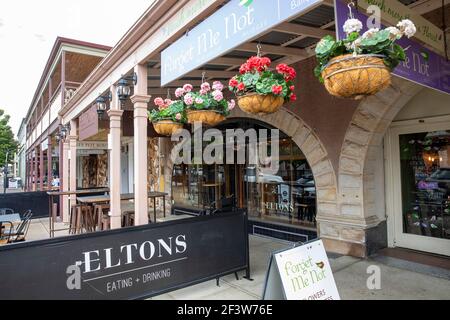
(433, 72)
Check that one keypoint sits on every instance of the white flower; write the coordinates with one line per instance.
(395, 34)
(407, 27)
(352, 25)
(370, 33)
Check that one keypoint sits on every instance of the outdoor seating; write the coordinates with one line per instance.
(19, 234)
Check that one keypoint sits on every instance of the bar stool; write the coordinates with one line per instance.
(128, 219)
(75, 219)
(105, 222)
(87, 219)
(99, 212)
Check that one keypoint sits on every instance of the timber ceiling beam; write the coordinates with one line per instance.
(271, 49)
(299, 29)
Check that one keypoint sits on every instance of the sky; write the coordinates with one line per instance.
(28, 30)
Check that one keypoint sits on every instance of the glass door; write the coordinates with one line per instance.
(421, 187)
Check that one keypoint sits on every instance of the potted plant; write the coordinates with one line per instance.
(207, 105)
(261, 90)
(169, 117)
(360, 65)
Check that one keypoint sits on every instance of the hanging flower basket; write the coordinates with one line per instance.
(260, 90)
(209, 117)
(360, 65)
(208, 105)
(167, 127)
(254, 103)
(356, 76)
(169, 117)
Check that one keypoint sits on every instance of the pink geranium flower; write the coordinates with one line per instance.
(188, 99)
(205, 86)
(159, 102)
(179, 92)
(188, 87)
(217, 95)
(217, 85)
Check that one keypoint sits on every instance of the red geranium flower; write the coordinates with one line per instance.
(233, 83)
(244, 68)
(293, 97)
(277, 89)
(288, 72)
(292, 88)
(241, 86)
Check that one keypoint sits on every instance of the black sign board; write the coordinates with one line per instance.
(130, 263)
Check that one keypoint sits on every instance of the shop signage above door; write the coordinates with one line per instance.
(393, 11)
(90, 124)
(301, 273)
(92, 145)
(235, 23)
(422, 65)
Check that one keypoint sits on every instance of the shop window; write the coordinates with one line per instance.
(425, 177)
(287, 197)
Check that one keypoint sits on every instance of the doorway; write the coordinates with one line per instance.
(418, 184)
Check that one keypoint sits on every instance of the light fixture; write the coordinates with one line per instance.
(101, 105)
(123, 87)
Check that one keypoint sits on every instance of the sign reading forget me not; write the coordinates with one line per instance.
(235, 23)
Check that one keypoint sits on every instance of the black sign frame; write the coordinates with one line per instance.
(201, 248)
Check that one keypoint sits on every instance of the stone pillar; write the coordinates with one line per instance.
(73, 138)
(140, 99)
(49, 164)
(41, 169)
(115, 118)
(64, 180)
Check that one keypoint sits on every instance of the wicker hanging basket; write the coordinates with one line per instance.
(210, 117)
(167, 127)
(260, 104)
(356, 76)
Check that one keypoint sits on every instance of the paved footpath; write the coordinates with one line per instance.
(399, 279)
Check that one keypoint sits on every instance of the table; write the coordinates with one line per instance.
(52, 210)
(91, 200)
(13, 218)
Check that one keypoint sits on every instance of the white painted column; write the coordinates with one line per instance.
(140, 99)
(115, 118)
(73, 138)
(65, 181)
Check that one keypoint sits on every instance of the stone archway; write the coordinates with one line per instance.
(306, 140)
(359, 226)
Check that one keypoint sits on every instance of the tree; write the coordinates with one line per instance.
(7, 142)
